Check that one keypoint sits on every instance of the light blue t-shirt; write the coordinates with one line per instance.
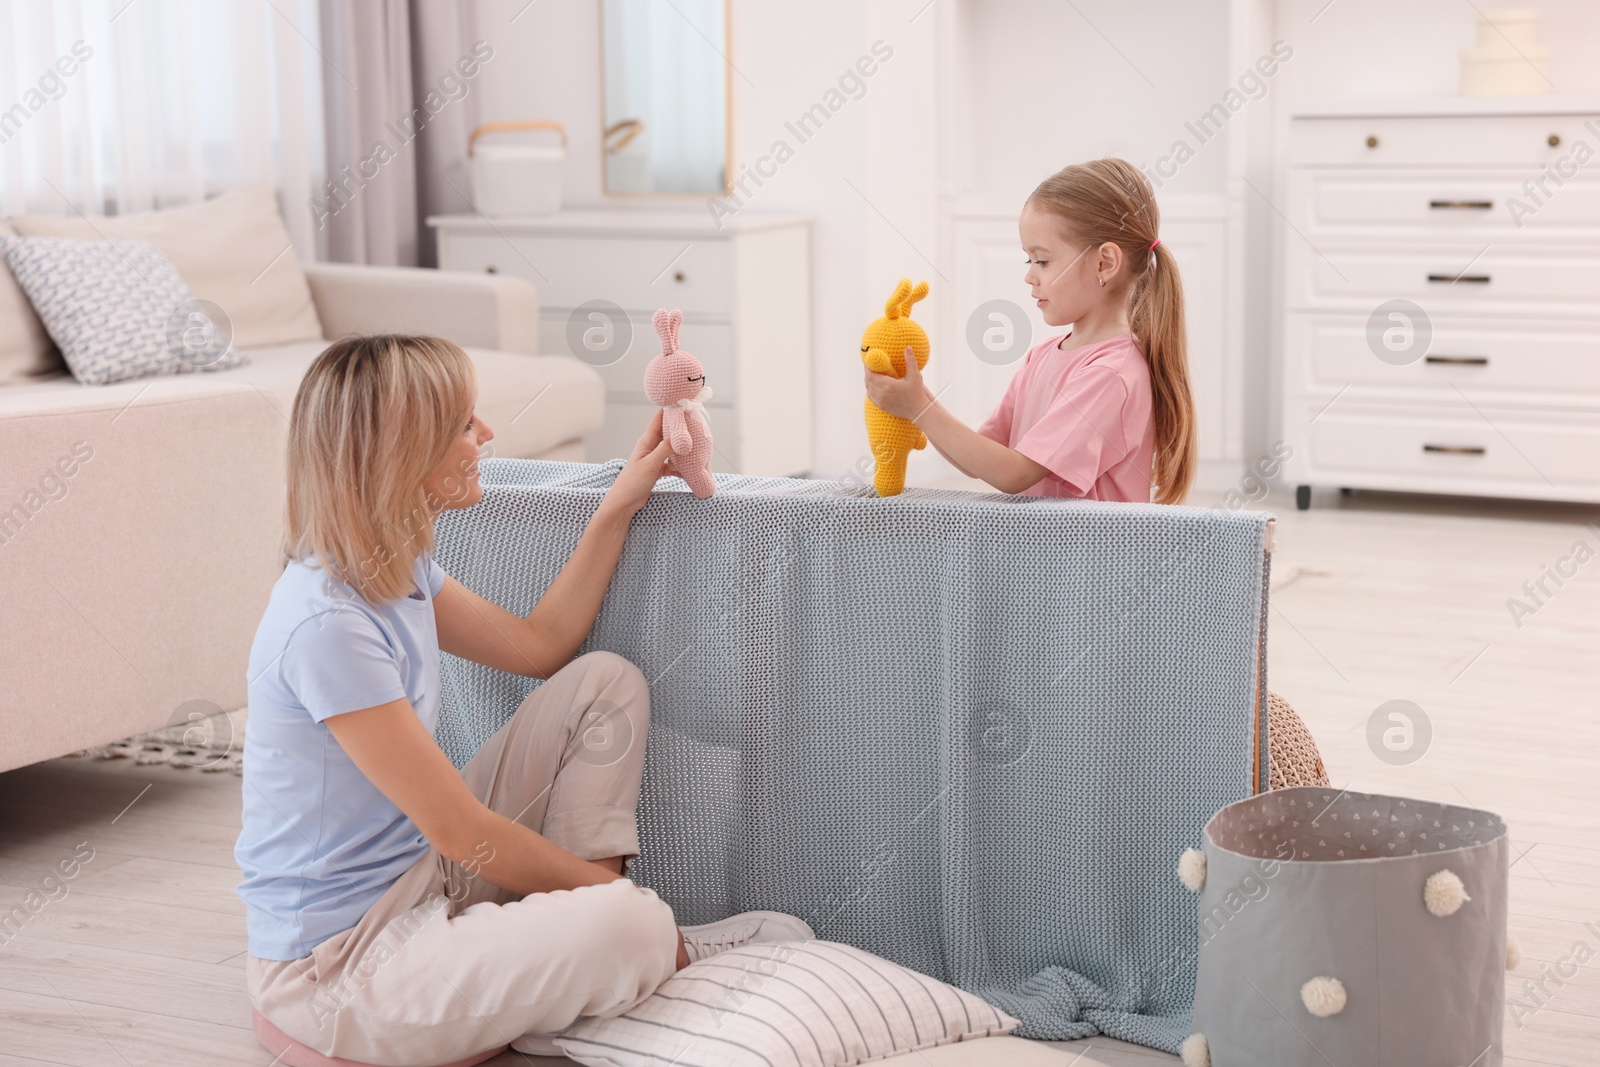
(320, 843)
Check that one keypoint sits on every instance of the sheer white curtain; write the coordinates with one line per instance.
(115, 106)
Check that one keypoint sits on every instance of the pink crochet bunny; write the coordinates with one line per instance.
(676, 381)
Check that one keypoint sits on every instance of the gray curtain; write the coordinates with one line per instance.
(398, 109)
(444, 44)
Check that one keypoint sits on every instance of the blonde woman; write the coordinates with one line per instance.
(400, 912)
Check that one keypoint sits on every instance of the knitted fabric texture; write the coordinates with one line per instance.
(967, 732)
(676, 382)
(883, 349)
(1295, 759)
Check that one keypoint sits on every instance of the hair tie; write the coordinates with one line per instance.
(1153, 244)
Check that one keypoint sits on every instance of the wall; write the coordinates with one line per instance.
(1411, 48)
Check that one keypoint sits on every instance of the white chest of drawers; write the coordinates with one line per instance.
(1441, 299)
(744, 290)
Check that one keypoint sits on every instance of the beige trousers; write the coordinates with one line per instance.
(444, 964)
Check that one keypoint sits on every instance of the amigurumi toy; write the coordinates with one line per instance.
(676, 382)
(883, 349)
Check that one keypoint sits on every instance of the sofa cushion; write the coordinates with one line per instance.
(117, 309)
(532, 403)
(26, 350)
(232, 251)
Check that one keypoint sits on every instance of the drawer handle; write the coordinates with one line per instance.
(1461, 205)
(1459, 361)
(1372, 142)
(677, 276)
(1475, 279)
(1456, 450)
(1554, 140)
(491, 270)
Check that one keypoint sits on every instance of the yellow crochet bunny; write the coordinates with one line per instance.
(883, 349)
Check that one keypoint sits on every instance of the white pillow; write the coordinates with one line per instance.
(232, 250)
(118, 309)
(793, 1004)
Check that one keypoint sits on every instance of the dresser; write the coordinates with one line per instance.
(743, 288)
(1441, 298)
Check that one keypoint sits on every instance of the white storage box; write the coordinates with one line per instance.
(516, 179)
(1508, 59)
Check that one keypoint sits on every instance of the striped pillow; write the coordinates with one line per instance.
(793, 1004)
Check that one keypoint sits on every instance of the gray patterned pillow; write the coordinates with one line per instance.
(118, 309)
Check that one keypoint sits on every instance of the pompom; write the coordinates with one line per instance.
(1195, 1051)
(1192, 869)
(1513, 952)
(1323, 997)
(1443, 893)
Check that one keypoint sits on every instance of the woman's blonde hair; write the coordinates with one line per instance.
(1110, 201)
(373, 419)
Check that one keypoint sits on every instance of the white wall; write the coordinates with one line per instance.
(1059, 83)
(1371, 48)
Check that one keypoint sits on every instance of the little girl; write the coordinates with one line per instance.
(1103, 412)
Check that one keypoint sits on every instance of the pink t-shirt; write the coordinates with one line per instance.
(1085, 415)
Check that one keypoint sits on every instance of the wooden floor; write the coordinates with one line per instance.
(138, 960)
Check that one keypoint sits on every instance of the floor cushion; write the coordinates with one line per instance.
(291, 1053)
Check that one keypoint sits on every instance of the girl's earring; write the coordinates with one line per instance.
(1102, 282)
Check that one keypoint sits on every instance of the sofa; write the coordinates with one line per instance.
(140, 521)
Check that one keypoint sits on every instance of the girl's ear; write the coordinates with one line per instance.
(1111, 257)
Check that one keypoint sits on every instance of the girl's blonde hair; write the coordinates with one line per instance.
(1110, 201)
(373, 419)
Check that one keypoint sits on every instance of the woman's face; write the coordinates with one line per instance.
(454, 484)
(1062, 273)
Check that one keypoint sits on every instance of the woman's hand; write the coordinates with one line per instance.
(631, 491)
(906, 397)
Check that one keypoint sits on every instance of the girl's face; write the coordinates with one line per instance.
(1063, 274)
(455, 482)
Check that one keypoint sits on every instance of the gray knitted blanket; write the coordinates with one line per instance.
(971, 733)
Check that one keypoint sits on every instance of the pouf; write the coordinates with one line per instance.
(291, 1053)
(1293, 757)
(1349, 928)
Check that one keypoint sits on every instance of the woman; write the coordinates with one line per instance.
(399, 912)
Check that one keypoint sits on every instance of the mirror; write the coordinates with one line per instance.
(666, 82)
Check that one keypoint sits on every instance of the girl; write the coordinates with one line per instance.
(399, 912)
(1103, 412)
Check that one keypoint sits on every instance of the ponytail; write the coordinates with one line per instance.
(1110, 201)
(1157, 320)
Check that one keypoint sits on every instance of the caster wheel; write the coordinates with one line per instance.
(1345, 490)
(1302, 497)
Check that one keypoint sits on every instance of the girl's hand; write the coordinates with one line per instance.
(906, 397)
(631, 491)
